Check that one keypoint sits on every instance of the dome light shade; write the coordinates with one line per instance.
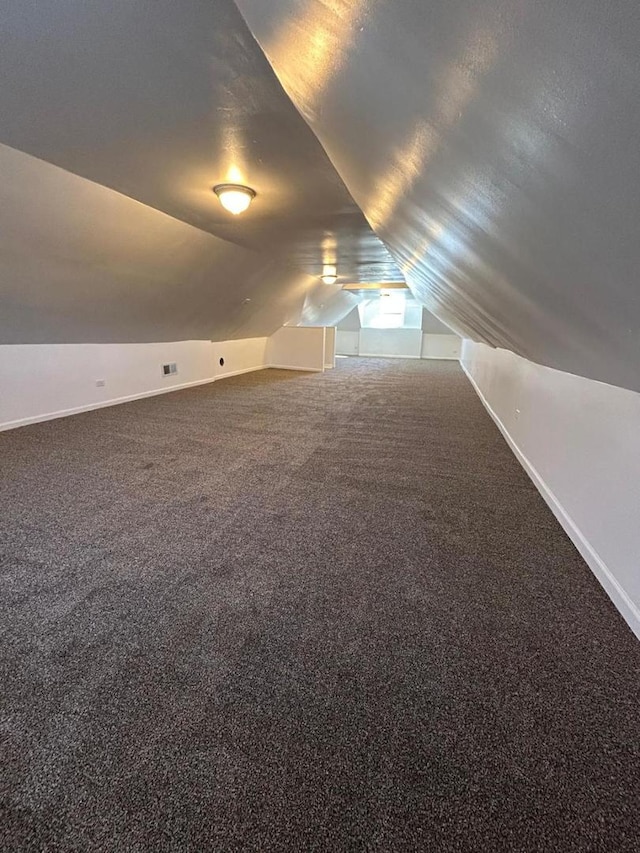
(234, 197)
(329, 274)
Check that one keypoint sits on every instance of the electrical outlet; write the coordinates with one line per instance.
(100, 383)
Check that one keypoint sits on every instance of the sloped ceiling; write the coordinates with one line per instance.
(80, 263)
(117, 117)
(493, 146)
(161, 101)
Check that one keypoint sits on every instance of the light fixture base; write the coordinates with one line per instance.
(329, 273)
(235, 198)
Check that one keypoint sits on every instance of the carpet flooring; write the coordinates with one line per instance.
(291, 612)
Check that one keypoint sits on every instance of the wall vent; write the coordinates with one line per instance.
(169, 369)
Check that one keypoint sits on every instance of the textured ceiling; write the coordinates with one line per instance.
(493, 146)
(160, 101)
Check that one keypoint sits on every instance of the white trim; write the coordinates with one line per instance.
(238, 372)
(116, 401)
(440, 357)
(386, 355)
(102, 404)
(290, 367)
(418, 357)
(616, 593)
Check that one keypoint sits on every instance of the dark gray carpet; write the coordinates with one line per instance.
(303, 612)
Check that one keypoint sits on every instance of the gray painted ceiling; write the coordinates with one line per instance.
(160, 101)
(493, 146)
(80, 263)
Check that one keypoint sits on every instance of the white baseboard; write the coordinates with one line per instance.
(418, 357)
(385, 355)
(290, 367)
(238, 372)
(101, 404)
(616, 593)
(115, 401)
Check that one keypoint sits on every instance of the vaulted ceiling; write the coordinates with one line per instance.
(160, 101)
(490, 145)
(117, 119)
(493, 146)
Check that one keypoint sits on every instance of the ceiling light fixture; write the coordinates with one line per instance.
(329, 274)
(234, 197)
